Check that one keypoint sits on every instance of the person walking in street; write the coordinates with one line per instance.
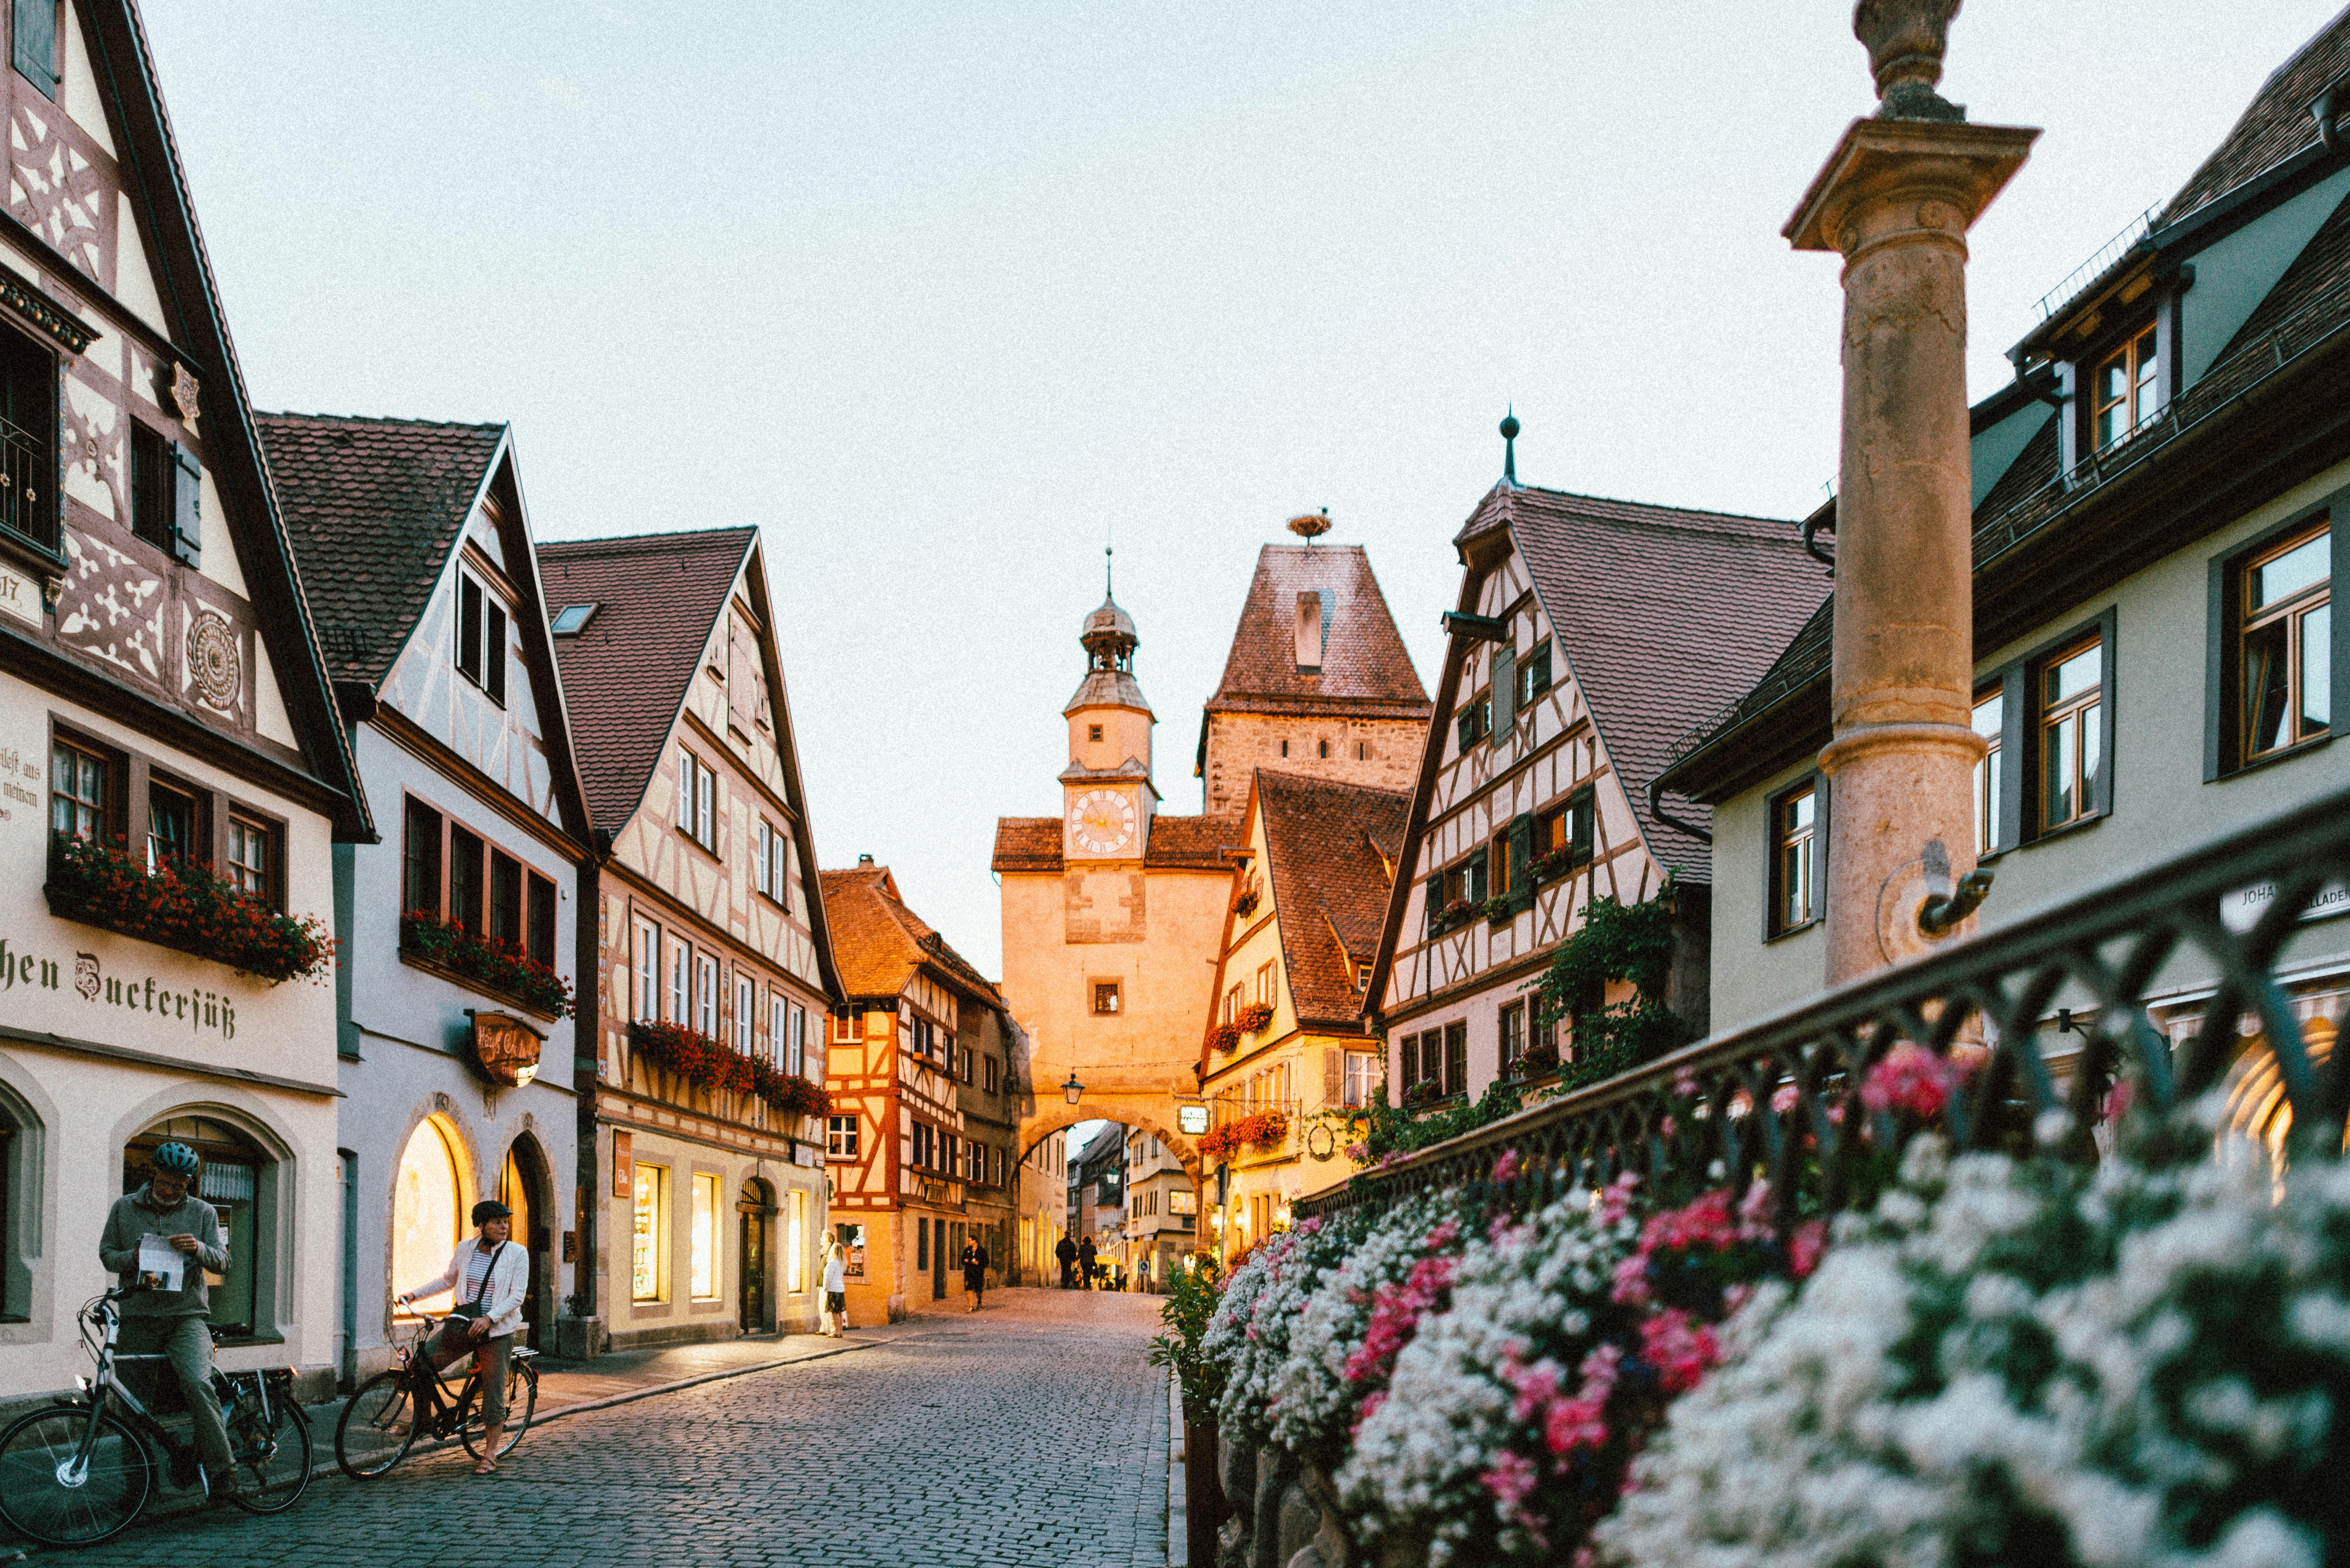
(836, 1290)
(490, 1277)
(1085, 1253)
(1067, 1253)
(974, 1272)
(163, 1218)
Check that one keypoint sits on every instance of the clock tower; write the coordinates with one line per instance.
(1107, 798)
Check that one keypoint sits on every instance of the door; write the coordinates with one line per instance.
(754, 1315)
(516, 1192)
(938, 1260)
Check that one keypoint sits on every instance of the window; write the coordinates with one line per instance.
(2071, 684)
(241, 1184)
(77, 799)
(542, 920)
(481, 636)
(1092, 731)
(1990, 721)
(171, 824)
(921, 1157)
(1476, 721)
(28, 419)
(1795, 891)
(1534, 674)
(795, 1042)
(705, 994)
(1105, 998)
(921, 1241)
(1362, 751)
(1232, 1005)
(419, 849)
(697, 794)
(746, 1008)
(150, 486)
(679, 1010)
(1513, 1037)
(428, 1208)
(849, 1024)
(2287, 643)
(1456, 1058)
(994, 1075)
(1264, 984)
(705, 1237)
(1362, 975)
(840, 1138)
(2126, 393)
(505, 898)
(249, 859)
(769, 869)
(572, 620)
(648, 971)
(1361, 1078)
(652, 1223)
(465, 855)
(1466, 881)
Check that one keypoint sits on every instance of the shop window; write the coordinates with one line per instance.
(796, 1242)
(241, 1184)
(1795, 858)
(705, 1237)
(428, 1208)
(651, 1225)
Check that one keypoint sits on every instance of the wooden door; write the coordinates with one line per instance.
(514, 1192)
(753, 1315)
(938, 1260)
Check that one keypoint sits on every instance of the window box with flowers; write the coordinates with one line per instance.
(1260, 1130)
(484, 963)
(1550, 867)
(1224, 1037)
(184, 906)
(1245, 905)
(788, 1093)
(1454, 915)
(1500, 907)
(1254, 1016)
(693, 1057)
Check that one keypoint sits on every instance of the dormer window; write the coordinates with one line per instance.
(572, 618)
(2125, 393)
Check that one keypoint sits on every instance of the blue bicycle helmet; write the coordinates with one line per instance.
(176, 1157)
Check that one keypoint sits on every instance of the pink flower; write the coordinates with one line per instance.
(1511, 1478)
(1615, 1200)
(1783, 1099)
(1537, 1387)
(2118, 1100)
(1685, 1087)
(1370, 1408)
(1911, 1080)
(1804, 1247)
(1359, 1153)
(1681, 1351)
(1508, 1165)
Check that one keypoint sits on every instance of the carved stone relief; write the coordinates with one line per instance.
(215, 663)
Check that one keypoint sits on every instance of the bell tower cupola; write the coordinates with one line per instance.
(1109, 798)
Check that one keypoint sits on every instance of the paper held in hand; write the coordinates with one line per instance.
(159, 1264)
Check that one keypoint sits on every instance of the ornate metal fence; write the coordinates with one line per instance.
(1779, 1098)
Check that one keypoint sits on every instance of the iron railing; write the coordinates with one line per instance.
(2112, 250)
(27, 508)
(1779, 1098)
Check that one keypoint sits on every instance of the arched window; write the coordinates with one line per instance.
(239, 1180)
(2257, 1108)
(427, 1200)
(20, 1198)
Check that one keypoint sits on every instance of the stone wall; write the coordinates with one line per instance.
(1285, 1512)
(1240, 743)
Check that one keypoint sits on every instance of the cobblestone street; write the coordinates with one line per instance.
(1032, 1433)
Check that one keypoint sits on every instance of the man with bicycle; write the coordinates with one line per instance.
(175, 1324)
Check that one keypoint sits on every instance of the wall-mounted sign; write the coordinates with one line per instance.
(624, 1160)
(506, 1048)
(1191, 1120)
(2242, 910)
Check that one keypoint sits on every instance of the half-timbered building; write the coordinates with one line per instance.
(458, 930)
(702, 1143)
(1285, 1042)
(168, 739)
(1588, 634)
(913, 1175)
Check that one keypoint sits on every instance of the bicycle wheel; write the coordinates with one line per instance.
(377, 1426)
(521, 1398)
(50, 1492)
(273, 1455)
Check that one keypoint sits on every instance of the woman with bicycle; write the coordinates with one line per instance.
(490, 1277)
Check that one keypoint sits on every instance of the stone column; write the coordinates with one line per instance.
(1895, 199)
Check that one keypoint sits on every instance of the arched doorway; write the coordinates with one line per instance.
(429, 1208)
(756, 1209)
(522, 1186)
(233, 1180)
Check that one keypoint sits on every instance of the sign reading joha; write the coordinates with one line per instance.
(202, 1010)
(2245, 907)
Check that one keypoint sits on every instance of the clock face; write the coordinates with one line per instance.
(1101, 822)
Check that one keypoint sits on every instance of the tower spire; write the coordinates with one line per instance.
(1510, 428)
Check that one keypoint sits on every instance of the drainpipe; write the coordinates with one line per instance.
(1895, 199)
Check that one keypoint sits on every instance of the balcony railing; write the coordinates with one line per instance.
(27, 507)
(1780, 1097)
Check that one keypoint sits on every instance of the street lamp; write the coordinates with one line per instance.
(1073, 1090)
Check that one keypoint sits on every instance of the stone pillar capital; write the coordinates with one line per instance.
(1922, 179)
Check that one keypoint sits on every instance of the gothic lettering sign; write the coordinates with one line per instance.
(1191, 1120)
(506, 1048)
(197, 1009)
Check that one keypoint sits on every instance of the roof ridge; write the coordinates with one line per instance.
(605, 541)
(1653, 505)
(403, 421)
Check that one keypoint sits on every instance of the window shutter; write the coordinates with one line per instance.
(1522, 856)
(1477, 883)
(1434, 900)
(1468, 726)
(1331, 1089)
(187, 473)
(35, 41)
(1505, 688)
(468, 625)
(494, 656)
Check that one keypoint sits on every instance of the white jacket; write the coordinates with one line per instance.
(836, 1274)
(501, 1292)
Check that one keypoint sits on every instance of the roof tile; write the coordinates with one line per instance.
(879, 943)
(1363, 666)
(1330, 848)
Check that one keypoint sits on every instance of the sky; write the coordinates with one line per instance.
(946, 296)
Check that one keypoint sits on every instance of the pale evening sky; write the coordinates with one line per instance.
(940, 295)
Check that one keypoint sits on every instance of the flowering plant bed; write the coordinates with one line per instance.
(1254, 1016)
(692, 1055)
(184, 906)
(486, 961)
(1223, 1038)
(788, 1093)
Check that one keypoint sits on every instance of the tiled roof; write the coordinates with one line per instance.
(1363, 666)
(1328, 848)
(1177, 843)
(625, 675)
(373, 507)
(878, 942)
(2275, 125)
(1664, 616)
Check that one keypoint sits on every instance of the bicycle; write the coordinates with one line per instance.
(78, 1473)
(392, 1409)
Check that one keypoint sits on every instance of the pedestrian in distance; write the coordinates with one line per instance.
(165, 1223)
(836, 1290)
(1067, 1253)
(489, 1276)
(1086, 1255)
(974, 1272)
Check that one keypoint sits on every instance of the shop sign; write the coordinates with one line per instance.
(23, 974)
(505, 1048)
(1191, 1120)
(2242, 910)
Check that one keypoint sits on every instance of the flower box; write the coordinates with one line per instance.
(787, 1093)
(1260, 1130)
(1500, 907)
(1454, 915)
(1254, 1016)
(1245, 905)
(483, 962)
(1224, 1037)
(1550, 867)
(186, 906)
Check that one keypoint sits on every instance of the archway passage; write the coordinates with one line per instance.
(1133, 1204)
(522, 1188)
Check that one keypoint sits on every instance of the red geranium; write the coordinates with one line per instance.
(182, 905)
